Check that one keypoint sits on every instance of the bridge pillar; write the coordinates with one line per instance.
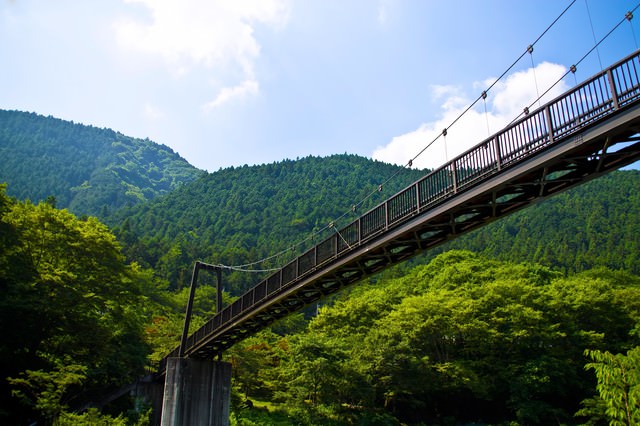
(196, 393)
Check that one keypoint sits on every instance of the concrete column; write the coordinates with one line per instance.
(196, 393)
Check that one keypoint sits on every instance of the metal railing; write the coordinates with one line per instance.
(592, 101)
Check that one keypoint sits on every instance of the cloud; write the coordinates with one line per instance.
(228, 94)
(213, 35)
(505, 101)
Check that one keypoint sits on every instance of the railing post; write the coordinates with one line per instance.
(612, 87)
(386, 214)
(547, 117)
(454, 176)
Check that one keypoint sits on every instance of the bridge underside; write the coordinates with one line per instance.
(582, 157)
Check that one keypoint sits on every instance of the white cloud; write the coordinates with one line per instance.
(228, 94)
(519, 89)
(505, 101)
(215, 35)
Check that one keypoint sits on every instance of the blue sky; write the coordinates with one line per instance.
(228, 83)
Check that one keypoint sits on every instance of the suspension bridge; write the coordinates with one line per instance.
(590, 130)
(587, 132)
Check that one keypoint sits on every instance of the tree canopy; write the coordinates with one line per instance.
(90, 171)
(451, 337)
(461, 340)
(72, 312)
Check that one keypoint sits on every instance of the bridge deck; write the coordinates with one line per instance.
(586, 132)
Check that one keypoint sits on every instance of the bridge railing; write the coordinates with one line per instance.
(590, 102)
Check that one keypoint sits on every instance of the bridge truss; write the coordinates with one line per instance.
(590, 130)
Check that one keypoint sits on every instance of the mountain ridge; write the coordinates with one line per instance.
(167, 214)
(89, 170)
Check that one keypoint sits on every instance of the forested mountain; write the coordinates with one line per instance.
(453, 338)
(239, 215)
(89, 170)
(243, 214)
(592, 225)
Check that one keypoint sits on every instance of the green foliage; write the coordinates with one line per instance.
(72, 313)
(91, 418)
(91, 171)
(593, 225)
(237, 215)
(314, 371)
(48, 388)
(461, 340)
(618, 386)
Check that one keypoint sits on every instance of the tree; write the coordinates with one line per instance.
(618, 386)
(75, 308)
(478, 340)
(49, 389)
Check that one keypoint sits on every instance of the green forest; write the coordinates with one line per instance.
(531, 320)
(461, 340)
(241, 214)
(88, 170)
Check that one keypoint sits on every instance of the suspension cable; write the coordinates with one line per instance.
(593, 33)
(533, 69)
(483, 95)
(409, 164)
(573, 68)
(629, 17)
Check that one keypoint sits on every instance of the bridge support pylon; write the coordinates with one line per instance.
(196, 393)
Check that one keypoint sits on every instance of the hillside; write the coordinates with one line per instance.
(593, 225)
(239, 215)
(504, 340)
(461, 340)
(88, 170)
(242, 214)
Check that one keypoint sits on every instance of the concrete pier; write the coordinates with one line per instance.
(196, 393)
